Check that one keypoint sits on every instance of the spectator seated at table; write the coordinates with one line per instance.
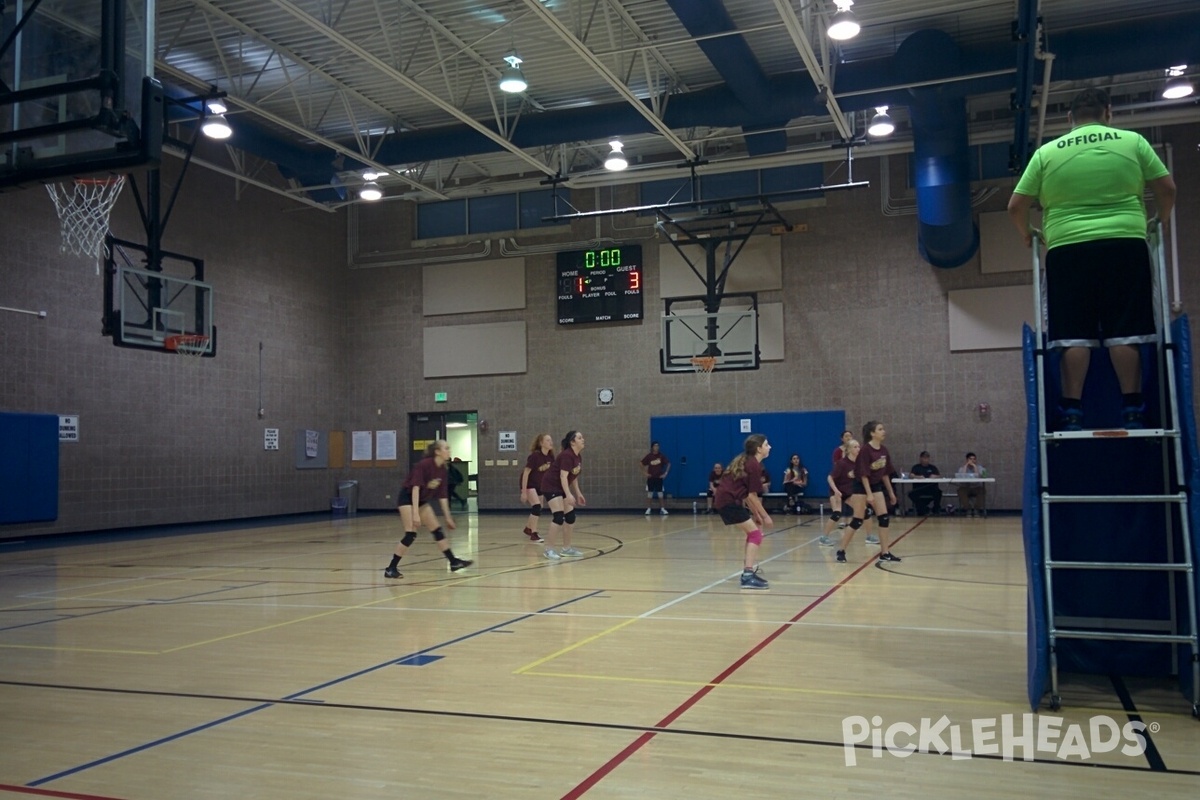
(972, 497)
(926, 497)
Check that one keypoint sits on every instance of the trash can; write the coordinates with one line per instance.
(348, 491)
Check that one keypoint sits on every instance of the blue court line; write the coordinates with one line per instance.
(391, 662)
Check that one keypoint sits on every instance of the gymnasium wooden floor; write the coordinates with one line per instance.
(277, 662)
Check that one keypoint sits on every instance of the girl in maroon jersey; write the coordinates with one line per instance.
(873, 487)
(425, 482)
(841, 487)
(839, 452)
(737, 501)
(561, 489)
(541, 456)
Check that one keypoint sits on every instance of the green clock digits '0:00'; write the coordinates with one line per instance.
(600, 285)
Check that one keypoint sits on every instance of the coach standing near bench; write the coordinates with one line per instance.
(1098, 283)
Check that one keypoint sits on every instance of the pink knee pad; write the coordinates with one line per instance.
(754, 537)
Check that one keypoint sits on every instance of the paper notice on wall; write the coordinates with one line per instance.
(311, 440)
(270, 438)
(385, 445)
(360, 446)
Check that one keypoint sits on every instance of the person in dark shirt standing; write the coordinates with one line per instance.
(655, 466)
(561, 488)
(541, 456)
(873, 488)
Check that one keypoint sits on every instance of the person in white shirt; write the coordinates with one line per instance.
(972, 497)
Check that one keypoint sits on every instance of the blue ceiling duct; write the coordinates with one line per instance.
(744, 76)
(946, 232)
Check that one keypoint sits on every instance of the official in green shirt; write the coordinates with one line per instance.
(1090, 183)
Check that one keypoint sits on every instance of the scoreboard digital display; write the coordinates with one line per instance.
(600, 285)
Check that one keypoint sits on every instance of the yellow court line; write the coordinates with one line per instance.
(77, 649)
(577, 645)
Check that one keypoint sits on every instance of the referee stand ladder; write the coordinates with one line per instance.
(1117, 587)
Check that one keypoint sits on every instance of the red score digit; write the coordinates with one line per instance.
(635, 280)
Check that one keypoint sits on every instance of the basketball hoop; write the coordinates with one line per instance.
(187, 344)
(704, 366)
(83, 206)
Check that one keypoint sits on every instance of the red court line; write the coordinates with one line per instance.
(638, 743)
(4, 787)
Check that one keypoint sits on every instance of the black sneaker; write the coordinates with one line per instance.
(1133, 418)
(460, 563)
(841, 556)
(1070, 419)
(392, 572)
(889, 557)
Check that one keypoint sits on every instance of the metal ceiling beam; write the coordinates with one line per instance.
(596, 64)
(188, 79)
(386, 69)
(816, 71)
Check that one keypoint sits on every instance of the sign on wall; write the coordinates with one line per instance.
(270, 438)
(68, 428)
(508, 441)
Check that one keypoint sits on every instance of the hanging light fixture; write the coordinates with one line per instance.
(370, 191)
(371, 175)
(1177, 86)
(512, 80)
(216, 127)
(616, 159)
(882, 123)
(843, 26)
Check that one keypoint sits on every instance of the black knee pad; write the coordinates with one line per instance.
(856, 523)
(535, 510)
(409, 538)
(558, 517)
(570, 517)
(884, 520)
(438, 535)
(835, 516)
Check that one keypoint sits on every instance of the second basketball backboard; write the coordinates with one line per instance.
(77, 89)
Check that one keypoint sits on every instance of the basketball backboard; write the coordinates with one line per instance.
(729, 335)
(77, 89)
(145, 308)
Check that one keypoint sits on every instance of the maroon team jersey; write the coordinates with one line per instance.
(733, 491)
(838, 454)
(430, 477)
(844, 476)
(874, 464)
(656, 464)
(714, 477)
(567, 461)
(538, 465)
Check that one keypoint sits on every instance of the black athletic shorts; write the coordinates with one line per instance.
(1100, 293)
(875, 487)
(654, 485)
(734, 514)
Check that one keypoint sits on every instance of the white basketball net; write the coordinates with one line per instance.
(704, 365)
(83, 208)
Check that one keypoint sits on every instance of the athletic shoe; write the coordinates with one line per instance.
(1133, 418)
(752, 580)
(841, 526)
(662, 512)
(550, 554)
(570, 551)
(825, 541)
(647, 512)
(1070, 419)
(872, 538)
(392, 572)
(841, 556)
(534, 536)
(889, 557)
(460, 563)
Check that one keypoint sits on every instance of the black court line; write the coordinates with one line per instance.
(262, 702)
(1153, 757)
